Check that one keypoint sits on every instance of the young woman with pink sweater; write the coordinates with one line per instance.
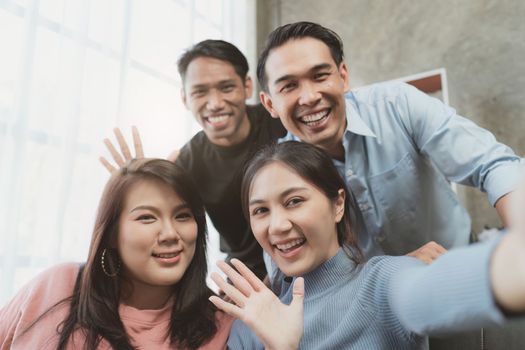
(143, 284)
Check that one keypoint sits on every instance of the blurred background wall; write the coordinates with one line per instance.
(480, 43)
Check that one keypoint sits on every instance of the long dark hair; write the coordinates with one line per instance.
(95, 300)
(315, 166)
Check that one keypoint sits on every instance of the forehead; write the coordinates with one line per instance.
(275, 178)
(208, 70)
(297, 56)
(150, 192)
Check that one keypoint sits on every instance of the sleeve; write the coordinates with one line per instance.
(450, 295)
(34, 299)
(463, 151)
(242, 338)
(10, 318)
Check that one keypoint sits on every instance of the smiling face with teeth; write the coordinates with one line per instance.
(156, 238)
(292, 219)
(216, 96)
(306, 91)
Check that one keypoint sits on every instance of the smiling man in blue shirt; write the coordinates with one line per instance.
(396, 147)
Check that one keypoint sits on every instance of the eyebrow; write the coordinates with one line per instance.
(315, 68)
(283, 194)
(221, 82)
(156, 210)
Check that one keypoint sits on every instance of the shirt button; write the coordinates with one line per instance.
(349, 173)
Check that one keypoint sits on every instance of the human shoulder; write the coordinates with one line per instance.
(260, 118)
(62, 275)
(378, 92)
(376, 275)
(192, 149)
(47, 292)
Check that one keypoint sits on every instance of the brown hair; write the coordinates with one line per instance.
(95, 300)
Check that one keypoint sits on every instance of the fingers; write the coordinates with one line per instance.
(137, 143)
(298, 287)
(122, 144)
(428, 252)
(116, 156)
(230, 309)
(237, 280)
(249, 276)
(174, 155)
(298, 293)
(231, 291)
(434, 250)
(107, 164)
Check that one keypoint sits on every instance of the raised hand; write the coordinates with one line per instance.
(125, 155)
(277, 325)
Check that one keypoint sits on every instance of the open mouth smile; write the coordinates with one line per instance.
(290, 246)
(315, 119)
(217, 119)
(170, 258)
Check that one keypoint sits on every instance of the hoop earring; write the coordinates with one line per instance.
(102, 258)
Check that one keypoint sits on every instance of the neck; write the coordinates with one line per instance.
(147, 297)
(334, 147)
(331, 272)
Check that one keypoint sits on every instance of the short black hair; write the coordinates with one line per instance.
(219, 49)
(298, 30)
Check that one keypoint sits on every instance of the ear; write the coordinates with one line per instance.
(266, 101)
(340, 205)
(183, 97)
(248, 87)
(345, 75)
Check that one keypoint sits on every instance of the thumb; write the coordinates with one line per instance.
(298, 293)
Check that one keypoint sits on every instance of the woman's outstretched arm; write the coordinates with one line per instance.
(507, 268)
(278, 326)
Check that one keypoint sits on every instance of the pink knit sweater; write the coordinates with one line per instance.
(146, 328)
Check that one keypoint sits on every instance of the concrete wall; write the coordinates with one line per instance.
(480, 43)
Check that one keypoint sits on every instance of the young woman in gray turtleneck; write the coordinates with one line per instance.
(300, 212)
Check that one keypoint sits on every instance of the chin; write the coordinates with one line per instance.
(294, 271)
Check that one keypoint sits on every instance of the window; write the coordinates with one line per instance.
(72, 70)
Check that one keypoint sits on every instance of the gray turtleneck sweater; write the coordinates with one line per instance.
(389, 302)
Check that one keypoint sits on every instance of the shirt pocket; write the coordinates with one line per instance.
(397, 189)
(398, 193)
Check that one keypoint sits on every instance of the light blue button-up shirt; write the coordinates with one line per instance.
(402, 147)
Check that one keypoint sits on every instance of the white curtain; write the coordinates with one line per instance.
(71, 70)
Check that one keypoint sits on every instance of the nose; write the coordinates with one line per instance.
(168, 233)
(279, 223)
(309, 94)
(215, 101)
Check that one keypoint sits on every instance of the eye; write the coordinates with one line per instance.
(258, 211)
(146, 218)
(227, 88)
(292, 202)
(321, 76)
(288, 87)
(198, 93)
(184, 216)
